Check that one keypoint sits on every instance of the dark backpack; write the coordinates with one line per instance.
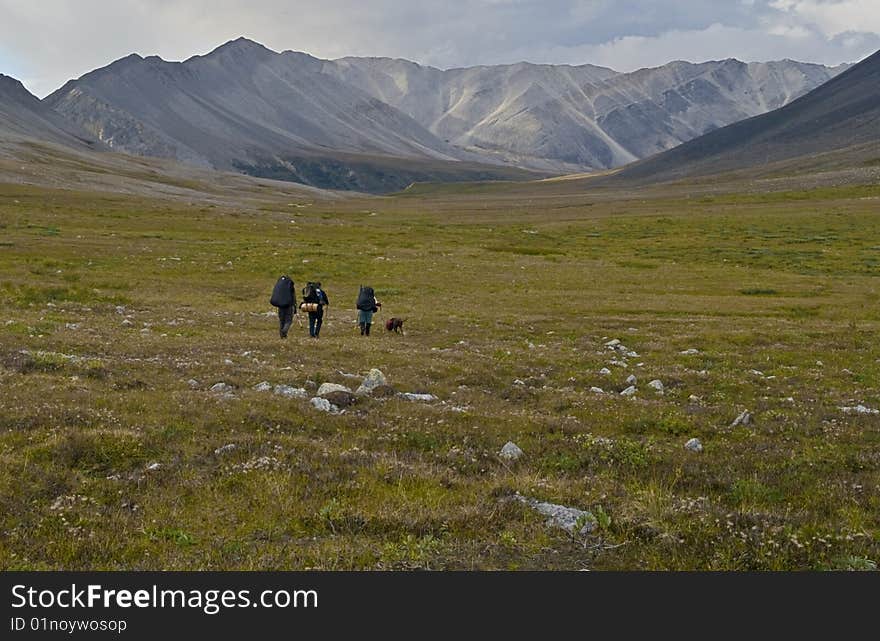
(282, 293)
(366, 301)
(310, 293)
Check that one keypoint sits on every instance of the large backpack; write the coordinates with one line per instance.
(366, 299)
(310, 293)
(282, 293)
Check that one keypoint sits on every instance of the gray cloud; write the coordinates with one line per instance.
(47, 42)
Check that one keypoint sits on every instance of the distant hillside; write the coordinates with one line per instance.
(574, 118)
(841, 115)
(24, 117)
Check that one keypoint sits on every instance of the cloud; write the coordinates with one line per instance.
(47, 42)
(833, 17)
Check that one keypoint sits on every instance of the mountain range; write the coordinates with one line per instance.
(377, 124)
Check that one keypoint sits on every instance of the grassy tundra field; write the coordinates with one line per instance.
(118, 314)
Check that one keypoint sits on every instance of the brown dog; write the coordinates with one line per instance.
(394, 325)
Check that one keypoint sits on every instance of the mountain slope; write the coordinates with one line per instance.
(24, 117)
(234, 103)
(842, 114)
(575, 118)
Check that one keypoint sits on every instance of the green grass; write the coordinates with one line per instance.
(110, 305)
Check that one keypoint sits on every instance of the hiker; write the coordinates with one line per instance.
(314, 301)
(367, 305)
(284, 298)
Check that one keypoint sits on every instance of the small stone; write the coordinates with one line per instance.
(383, 391)
(225, 449)
(510, 451)
(743, 419)
(126, 322)
(265, 386)
(340, 398)
(694, 399)
(570, 519)
(631, 379)
(629, 391)
(859, 409)
(324, 405)
(228, 362)
(657, 385)
(424, 398)
(153, 467)
(694, 445)
(326, 388)
(612, 343)
(375, 378)
(219, 388)
(597, 390)
(604, 371)
(689, 352)
(192, 383)
(290, 392)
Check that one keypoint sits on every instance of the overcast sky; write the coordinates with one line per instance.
(46, 42)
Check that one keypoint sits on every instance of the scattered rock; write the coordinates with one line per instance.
(290, 392)
(340, 398)
(154, 467)
(225, 449)
(517, 381)
(694, 399)
(510, 451)
(383, 391)
(597, 390)
(228, 362)
(324, 405)
(375, 378)
(694, 445)
(604, 371)
(690, 352)
(859, 409)
(631, 379)
(425, 398)
(326, 388)
(657, 385)
(629, 391)
(127, 322)
(265, 386)
(743, 419)
(570, 519)
(220, 388)
(193, 383)
(612, 343)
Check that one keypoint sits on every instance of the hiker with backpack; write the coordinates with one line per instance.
(367, 305)
(284, 298)
(314, 301)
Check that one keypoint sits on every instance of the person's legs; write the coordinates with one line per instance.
(312, 317)
(319, 320)
(368, 320)
(361, 322)
(285, 319)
